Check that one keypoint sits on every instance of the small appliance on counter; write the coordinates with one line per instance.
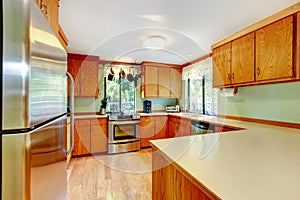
(103, 106)
(147, 106)
(172, 108)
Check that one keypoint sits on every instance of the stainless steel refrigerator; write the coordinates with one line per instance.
(34, 99)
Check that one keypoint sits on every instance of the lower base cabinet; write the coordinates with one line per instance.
(153, 127)
(179, 126)
(169, 182)
(90, 136)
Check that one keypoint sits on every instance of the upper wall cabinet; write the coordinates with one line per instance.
(222, 65)
(84, 70)
(274, 50)
(161, 80)
(234, 62)
(266, 52)
(50, 10)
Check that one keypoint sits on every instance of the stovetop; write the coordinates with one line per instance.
(123, 117)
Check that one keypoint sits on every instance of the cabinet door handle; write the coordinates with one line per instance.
(258, 71)
(232, 76)
(44, 8)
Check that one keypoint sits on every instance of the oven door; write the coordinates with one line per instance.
(123, 131)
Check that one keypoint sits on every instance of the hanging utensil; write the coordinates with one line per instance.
(130, 76)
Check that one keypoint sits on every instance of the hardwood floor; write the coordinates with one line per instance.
(111, 177)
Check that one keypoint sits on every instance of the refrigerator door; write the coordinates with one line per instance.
(35, 164)
(34, 67)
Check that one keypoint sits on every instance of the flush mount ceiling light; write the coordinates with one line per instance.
(155, 42)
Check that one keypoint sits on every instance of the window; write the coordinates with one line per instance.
(120, 92)
(200, 96)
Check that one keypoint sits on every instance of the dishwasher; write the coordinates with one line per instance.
(199, 128)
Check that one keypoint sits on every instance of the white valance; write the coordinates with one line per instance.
(197, 70)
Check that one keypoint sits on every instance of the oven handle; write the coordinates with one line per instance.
(123, 122)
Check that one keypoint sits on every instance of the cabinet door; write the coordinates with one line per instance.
(89, 79)
(161, 127)
(73, 69)
(221, 65)
(164, 82)
(243, 59)
(98, 135)
(50, 11)
(184, 127)
(274, 50)
(82, 137)
(147, 130)
(176, 83)
(151, 80)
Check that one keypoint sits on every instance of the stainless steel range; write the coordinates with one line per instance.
(123, 133)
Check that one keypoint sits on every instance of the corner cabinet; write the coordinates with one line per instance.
(161, 80)
(179, 126)
(84, 70)
(268, 54)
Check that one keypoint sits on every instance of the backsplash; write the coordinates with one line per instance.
(278, 102)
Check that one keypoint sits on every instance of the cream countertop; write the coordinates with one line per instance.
(261, 162)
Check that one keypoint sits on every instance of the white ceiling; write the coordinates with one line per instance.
(114, 30)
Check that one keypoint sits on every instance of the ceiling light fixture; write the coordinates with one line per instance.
(155, 42)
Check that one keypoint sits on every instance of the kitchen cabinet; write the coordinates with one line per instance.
(82, 137)
(274, 50)
(268, 53)
(84, 70)
(98, 135)
(222, 65)
(171, 182)
(242, 62)
(90, 136)
(234, 62)
(153, 127)
(161, 80)
(176, 82)
(51, 12)
(151, 80)
(179, 126)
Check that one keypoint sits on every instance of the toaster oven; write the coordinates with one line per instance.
(172, 108)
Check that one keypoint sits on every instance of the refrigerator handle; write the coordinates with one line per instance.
(71, 113)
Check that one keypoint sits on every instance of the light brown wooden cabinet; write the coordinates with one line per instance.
(221, 65)
(179, 126)
(153, 127)
(161, 80)
(90, 136)
(171, 182)
(242, 62)
(50, 10)
(234, 62)
(274, 50)
(268, 54)
(84, 70)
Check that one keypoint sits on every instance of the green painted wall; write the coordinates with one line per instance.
(278, 102)
(93, 105)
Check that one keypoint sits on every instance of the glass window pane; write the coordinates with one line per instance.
(196, 103)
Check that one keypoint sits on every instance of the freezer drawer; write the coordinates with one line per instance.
(35, 163)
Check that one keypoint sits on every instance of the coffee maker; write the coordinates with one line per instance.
(147, 106)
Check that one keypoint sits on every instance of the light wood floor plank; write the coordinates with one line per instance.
(111, 177)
